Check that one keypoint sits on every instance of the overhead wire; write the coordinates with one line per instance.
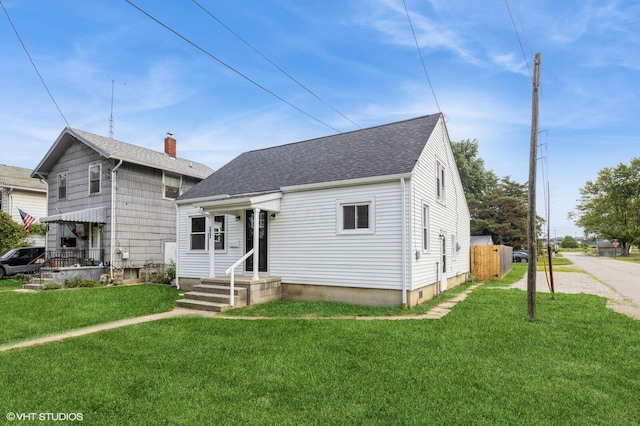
(205, 10)
(424, 66)
(206, 52)
(515, 29)
(24, 47)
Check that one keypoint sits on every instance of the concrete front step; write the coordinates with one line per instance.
(32, 286)
(208, 297)
(202, 305)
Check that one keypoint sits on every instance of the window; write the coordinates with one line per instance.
(355, 217)
(198, 240)
(219, 232)
(440, 182)
(94, 178)
(62, 185)
(198, 233)
(425, 228)
(171, 186)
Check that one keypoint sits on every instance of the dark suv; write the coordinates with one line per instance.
(21, 260)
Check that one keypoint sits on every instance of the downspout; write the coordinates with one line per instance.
(113, 217)
(404, 245)
(177, 247)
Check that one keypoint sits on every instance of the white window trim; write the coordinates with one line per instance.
(371, 201)
(99, 178)
(426, 225)
(164, 187)
(190, 233)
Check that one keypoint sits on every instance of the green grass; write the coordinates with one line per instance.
(633, 258)
(483, 363)
(30, 315)
(10, 284)
(312, 309)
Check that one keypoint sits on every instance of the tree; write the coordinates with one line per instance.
(11, 233)
(498, 207)
(569, 242)
(476, 181)
(502, 213)
(610, 205)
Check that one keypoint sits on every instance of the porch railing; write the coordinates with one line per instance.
(73, 257)
(231, 270)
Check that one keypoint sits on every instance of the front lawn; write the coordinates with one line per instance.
(10, 284)
(30, 315)
(483, 363)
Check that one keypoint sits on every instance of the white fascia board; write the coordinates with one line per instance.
(202, 199)
(270, 202)
(347, 182)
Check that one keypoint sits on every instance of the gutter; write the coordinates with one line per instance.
(404, 244)
(113, 217)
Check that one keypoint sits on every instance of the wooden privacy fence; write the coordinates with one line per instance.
(490, 262)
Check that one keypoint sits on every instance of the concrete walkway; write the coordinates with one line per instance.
(436, 312)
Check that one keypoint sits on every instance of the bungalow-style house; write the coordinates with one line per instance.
(18, 191)
(376, 216)
(111, 204)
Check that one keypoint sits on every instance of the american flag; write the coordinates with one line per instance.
(27, 219)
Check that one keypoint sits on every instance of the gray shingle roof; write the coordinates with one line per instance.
(377, 151)
(118, 150)
(19, 177)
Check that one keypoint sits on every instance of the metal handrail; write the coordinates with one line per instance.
(231, 270)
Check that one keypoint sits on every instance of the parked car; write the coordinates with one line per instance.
(21, 260)
(520, 256)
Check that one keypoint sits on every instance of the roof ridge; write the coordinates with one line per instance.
(345, 133)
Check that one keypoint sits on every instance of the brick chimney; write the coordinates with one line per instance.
(170, 145)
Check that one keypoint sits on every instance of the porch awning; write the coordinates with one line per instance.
(95, 215)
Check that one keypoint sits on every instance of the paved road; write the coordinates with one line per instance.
(623, 277)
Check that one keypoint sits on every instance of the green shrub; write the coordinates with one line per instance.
(51, 286)
(79, 282)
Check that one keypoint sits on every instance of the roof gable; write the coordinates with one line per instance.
(118, 150)
(377, 151)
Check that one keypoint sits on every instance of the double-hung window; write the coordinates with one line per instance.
(94, 178)
(440, 183)
(62, 185)
(199, 235)
(425, 228)
(171, 185)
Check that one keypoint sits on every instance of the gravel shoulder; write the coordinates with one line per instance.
(582, 282)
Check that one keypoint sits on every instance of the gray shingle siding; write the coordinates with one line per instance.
(378, 151)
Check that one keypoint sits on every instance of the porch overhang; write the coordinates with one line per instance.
(94, 215)
(265, 202)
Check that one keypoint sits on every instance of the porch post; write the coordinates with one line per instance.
(211, 244)
(256, 242)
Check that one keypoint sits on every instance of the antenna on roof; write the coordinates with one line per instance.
(111, 116)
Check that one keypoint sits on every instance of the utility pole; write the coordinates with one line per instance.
(533, 162)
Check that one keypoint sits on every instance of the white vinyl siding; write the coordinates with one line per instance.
(306, 249)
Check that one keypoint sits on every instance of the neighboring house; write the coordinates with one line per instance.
(19, 191)
(376, 216)
(112, 203)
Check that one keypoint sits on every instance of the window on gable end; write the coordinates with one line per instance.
(62, 185)
(425, 228)
(440, 182)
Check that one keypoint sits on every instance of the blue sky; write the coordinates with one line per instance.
(358, 56)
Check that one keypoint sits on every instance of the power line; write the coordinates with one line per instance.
(424, 67)
(274, 64)
(526, 60)
(229, 66)
(33, 64)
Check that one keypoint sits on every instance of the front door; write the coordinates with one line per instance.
(262, 244)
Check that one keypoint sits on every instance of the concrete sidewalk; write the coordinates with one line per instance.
(436, 312)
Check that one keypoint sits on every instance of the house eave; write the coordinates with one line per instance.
(269, 201)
